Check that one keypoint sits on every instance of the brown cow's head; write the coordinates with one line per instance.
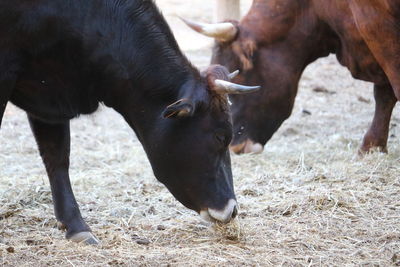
(266, 50)
(195, 165)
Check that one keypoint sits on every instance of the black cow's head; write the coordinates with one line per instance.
(269, 47)
(188, 148)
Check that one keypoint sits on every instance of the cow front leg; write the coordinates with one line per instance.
(6, 88)
(9, 67)
(54, 146)
(377, 135)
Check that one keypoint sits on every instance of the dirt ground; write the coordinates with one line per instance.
(308, 200)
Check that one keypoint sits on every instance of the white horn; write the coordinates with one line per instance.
(225, 87)
(223, 32)
(233, 74)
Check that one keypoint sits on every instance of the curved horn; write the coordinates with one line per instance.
(224, 87)
(233, 74)
(223, 32)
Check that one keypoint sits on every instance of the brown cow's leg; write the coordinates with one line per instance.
(377, 135)
(378, 23)
(54, 146)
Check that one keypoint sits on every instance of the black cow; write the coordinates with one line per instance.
(61, 58)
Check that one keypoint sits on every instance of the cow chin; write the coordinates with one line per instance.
(247, 147)
(225, 215)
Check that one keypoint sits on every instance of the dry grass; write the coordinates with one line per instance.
(306, 201)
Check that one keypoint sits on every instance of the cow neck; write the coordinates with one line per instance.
(144, 113)
(142, 65)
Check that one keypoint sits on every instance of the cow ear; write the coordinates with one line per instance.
(181, 108)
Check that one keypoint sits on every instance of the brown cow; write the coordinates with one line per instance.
(277, 39)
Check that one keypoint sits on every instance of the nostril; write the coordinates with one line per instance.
(234, 212)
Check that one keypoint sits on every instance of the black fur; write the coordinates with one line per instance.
(61, 58)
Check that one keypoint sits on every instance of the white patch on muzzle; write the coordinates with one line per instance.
(224, 215)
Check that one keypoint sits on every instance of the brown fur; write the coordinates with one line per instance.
(277, 39)
(219, 102)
